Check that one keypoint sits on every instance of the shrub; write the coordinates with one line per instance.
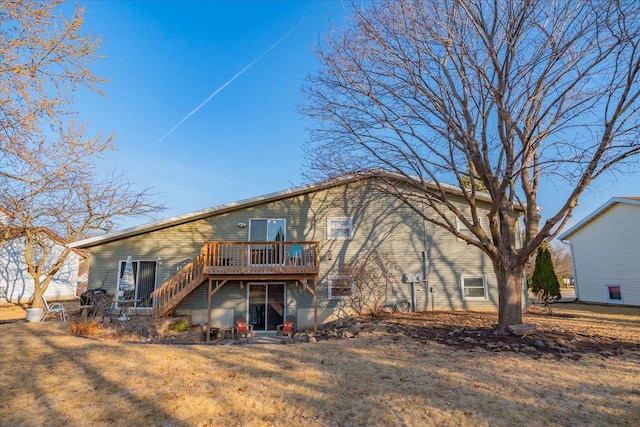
(372, 281)
(86, 329)
(179, 326)
(544, 281)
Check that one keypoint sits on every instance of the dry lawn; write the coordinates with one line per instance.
(389, 375)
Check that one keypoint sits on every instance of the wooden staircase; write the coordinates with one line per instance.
(172, 292)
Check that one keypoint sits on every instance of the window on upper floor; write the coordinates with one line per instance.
(339, 228)
(340, 287)
(474, 287)
(462, 228)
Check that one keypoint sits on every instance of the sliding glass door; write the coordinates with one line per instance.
(266, 230)
(266, 305)
(144, 278)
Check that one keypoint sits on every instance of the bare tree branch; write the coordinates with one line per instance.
(503, 96)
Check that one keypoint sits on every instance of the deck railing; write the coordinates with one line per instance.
(236, 259)
(261, 257)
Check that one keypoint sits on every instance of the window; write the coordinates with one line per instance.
(339, 228)
(340, 287)
(463, 228)
(615, 293)
(474, 287)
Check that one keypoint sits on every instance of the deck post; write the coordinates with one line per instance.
(207, 331)
(315, 305)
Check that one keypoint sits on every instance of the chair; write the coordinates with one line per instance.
(244, 329)
(295, 255)
(53, 308)
(286, 329)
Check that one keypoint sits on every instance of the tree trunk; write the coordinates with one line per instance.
(39, 290)
(510, 280)
(37, 298)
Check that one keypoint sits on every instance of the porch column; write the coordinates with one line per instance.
(315, 305)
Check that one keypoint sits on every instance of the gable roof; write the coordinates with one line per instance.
(245, 203)
(597, 213)
(16, 232)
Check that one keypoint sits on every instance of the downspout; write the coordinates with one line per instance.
(414, 299)
(425, 261)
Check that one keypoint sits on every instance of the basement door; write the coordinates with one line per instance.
(266, 306)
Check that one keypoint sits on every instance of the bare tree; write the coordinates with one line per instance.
(45, 59)
(372, 281)
(50, 177)
(514, 94)
(561, 258)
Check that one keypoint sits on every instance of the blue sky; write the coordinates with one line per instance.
(164, 58)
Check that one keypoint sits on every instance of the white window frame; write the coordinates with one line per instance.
(330, 286)
(608, 290)
(330, 227)
(484, 286)
(464, 229)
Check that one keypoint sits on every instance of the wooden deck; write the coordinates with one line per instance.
(262, 258)
(239, 261)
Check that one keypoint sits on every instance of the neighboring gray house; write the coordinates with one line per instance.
(279, 256)
(605, 252)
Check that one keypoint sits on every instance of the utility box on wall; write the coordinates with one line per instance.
(411, 278)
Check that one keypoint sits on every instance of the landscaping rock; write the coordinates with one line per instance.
(523, 329)
(354, 329)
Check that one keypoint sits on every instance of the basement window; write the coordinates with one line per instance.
(474, 287)
(340, 287)
(615, 293)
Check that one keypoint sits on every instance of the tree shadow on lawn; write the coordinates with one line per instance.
(386, 376)
(44, 376)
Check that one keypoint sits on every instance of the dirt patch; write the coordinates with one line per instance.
(561, 334)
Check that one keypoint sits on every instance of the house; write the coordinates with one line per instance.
(605, 253)
(282, 256)
(16, 284)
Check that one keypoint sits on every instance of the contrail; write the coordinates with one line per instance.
(238, 74)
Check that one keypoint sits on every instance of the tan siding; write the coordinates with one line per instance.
(607, 251)
(380, 225)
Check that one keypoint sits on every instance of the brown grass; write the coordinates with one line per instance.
(381, 378)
